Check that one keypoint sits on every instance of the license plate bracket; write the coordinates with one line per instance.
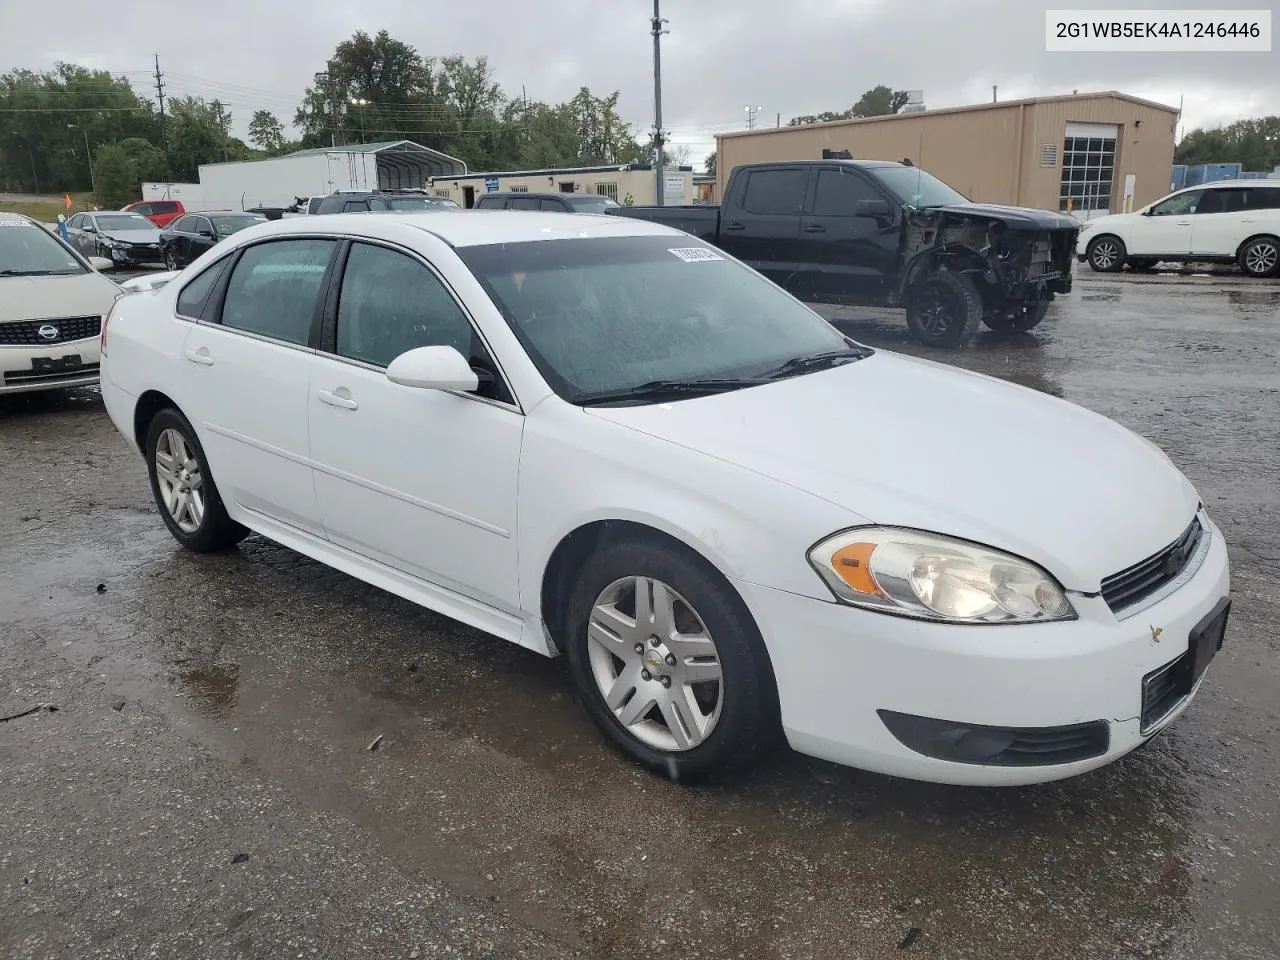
(1207, 638)
(71, 361)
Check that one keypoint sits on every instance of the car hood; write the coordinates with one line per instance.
(40, 298)
(911, 443)
(133, 236)
(1017, 218)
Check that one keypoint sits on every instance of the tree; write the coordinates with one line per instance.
(678, 154)
(710, 163)
(879, 101)
(266, 132)
(1254, 144)
(200, 132)
(121, 166)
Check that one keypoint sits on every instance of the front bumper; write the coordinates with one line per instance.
(18, 373)
(838, 667)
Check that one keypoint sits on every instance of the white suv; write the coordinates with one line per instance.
(1231, 221)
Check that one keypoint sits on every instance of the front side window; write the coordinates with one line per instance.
(608, 314)
(839, 192)
(524, 203)
(142, 209)
(28, 250)
(351, 206)
(181, 225)
(1178, 205)
(390, 303)
(274, 287)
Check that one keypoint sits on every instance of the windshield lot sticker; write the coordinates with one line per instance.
(694, 254)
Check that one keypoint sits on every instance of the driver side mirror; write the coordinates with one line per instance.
(89, 228)
(871, 208)
(101, 263)
(433, 368)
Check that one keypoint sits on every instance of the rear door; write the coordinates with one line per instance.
(248, 362)
(1218, 226)
(761, 224)
(849, 257)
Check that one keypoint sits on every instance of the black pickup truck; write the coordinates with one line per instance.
(884, 233)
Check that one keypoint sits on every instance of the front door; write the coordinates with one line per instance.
(421, 480)
(249, 371)
(1165, 229)
(850, 257)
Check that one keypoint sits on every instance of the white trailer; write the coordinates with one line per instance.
(280, 181)
(189, 194)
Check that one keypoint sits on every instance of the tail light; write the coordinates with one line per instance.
(102, 337)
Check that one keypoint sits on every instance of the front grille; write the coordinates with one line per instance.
(1128, 587)
(26, 333)
(51, 378)
(1164, 689)
(1042, 746)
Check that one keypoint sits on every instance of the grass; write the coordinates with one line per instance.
(47, 210)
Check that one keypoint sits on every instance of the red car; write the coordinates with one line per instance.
(159, 212)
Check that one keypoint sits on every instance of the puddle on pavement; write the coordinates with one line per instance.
(212, 690)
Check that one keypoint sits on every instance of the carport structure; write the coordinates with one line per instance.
(399, 164)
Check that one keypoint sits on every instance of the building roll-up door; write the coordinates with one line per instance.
(1088, 169)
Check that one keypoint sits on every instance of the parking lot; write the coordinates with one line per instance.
(199, 780)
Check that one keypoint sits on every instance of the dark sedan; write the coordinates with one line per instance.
(193, 233)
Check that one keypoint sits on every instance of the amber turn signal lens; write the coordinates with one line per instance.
(853, 564)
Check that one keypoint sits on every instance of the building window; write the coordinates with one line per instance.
(1088, 165)
(447, 194)
(567, 186)
(518, 189)
(609, 190)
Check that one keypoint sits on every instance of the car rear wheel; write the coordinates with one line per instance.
(1106, 254)
(1260, 257)
(668, 662)
(184, 489)
(944, 309)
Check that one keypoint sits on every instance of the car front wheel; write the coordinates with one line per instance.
(1106, 254)
(944, 309)
(184, 489)
(668, 662)
(171, 261)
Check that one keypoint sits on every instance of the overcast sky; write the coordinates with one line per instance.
(790, 58)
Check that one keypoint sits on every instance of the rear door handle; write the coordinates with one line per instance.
(200, 356)
(815, 228)
(1183, 223)
(1248, 219)
(338, 398)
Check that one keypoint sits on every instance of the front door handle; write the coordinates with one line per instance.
(1183, 223)
(200, 356)
(338, 398)
(735, 226)
(815, 228)
(1248, 219)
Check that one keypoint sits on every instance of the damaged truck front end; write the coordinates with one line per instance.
(973, 264)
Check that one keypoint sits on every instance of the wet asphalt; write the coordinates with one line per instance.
(197, 780)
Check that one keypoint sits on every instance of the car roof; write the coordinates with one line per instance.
(1214, 184)
(468, 228)
(7, 217)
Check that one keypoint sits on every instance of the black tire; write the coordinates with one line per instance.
(747, 727)
(215, 530)
(1141, 264)
(944, 309)
(1020, 319)
(1106, 254)
(1260, 257)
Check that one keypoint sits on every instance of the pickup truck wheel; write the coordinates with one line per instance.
(1106, 254)
(944, 310)
(1260, 257)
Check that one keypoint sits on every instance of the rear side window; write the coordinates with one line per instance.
(195, 294)
(524, 203)
(274, 287)
(1262, 198)
(164, 206)
(775, 191)
(496, 203)
(549, 204)
(353, 205)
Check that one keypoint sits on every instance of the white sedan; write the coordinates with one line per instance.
(601, 437)
(52, 301)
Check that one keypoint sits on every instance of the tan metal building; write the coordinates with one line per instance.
(1090, 153)
(627, 183)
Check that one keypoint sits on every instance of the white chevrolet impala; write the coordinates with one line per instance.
(602, 438)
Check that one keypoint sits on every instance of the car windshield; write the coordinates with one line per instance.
(916, 188)
(604, 315)
(410, 203)
(123, 221)
(225, 226)
(30, 250)
(592, 204)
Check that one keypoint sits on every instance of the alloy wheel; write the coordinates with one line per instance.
(655, 663)
(1261, 257)
(180, 480)
(1105, 255)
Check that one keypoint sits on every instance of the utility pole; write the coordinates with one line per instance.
(993, 92)
(160, 96)
(93, 181)
(659, 141)
(751, 116)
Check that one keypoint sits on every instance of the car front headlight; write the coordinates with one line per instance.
(934, 577)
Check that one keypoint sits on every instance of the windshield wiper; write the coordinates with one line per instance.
(28, 273)
(819, 361)
(656, 389)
